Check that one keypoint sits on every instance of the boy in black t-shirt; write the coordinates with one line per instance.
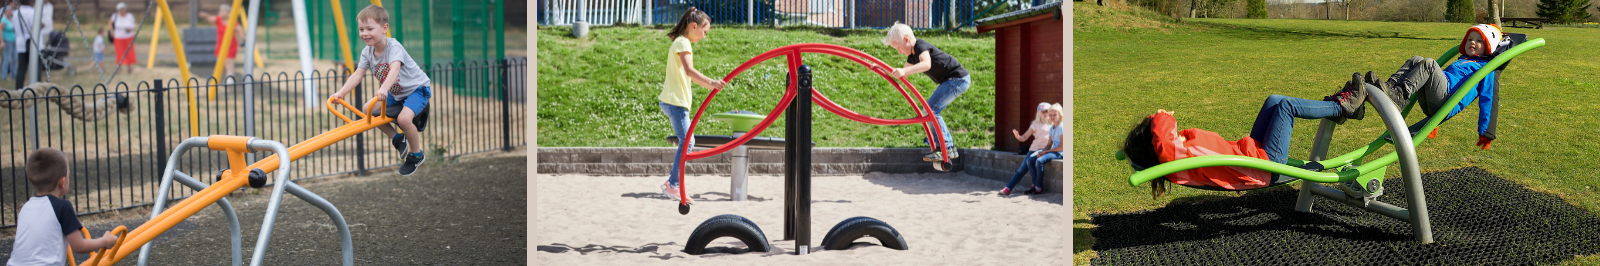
(923, 57)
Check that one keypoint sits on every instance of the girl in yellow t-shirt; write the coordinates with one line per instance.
(675, 94)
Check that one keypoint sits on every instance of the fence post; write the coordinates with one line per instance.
(161, 125)
(505, 107)
(361, 143)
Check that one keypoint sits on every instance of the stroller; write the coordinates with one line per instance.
(53, 55)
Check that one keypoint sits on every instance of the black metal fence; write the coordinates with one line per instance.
(116, 161)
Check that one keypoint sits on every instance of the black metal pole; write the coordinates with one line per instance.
(161, 126)
(802, 141)
(789, 149)
(361, 150)
(505, 107)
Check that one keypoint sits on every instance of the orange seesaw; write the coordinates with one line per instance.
(237, 177)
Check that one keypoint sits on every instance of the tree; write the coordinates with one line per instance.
(1494, 11)
(1257, 9)
(1460, 11)
(1564, 11)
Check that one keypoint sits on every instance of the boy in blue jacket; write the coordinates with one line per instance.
(1423, 75)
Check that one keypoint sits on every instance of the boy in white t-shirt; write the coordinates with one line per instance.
(406, 87)
(47, 224)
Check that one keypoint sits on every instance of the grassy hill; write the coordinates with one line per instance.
(601, 91)
(1215, 73)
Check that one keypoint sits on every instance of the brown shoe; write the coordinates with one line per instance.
(1350, 98)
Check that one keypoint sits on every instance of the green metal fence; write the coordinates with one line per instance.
(435, 33)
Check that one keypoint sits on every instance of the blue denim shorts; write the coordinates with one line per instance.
(417, 101)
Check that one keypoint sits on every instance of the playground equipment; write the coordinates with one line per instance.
(742, 122)
(1360, 184)
(237, 177)
(797, 157)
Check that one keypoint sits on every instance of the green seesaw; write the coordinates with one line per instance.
(1358, 184)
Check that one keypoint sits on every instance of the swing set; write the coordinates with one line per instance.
(1358, 184)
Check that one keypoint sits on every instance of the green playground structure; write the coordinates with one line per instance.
(1359, 184)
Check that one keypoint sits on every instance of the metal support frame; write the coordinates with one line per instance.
(797, 166)
(1417, 215)
(280, 186)
(741, 167)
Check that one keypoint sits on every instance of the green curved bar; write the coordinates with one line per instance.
(1168, 168)
(1290, 169)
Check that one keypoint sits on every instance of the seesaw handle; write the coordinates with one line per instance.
(382, 108)
(359, 113)
(95, 258)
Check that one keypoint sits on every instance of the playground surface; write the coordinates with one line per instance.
(1480, 219)
(438, 216)
(1540, 126)
(944, 218)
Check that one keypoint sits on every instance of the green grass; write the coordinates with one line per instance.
(601, 90)
(1215, 72)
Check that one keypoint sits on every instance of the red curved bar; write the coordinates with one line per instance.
(922, 109)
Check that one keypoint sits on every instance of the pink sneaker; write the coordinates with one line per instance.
(671, 191)
(1005, 191)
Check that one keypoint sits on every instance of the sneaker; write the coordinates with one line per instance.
(936, 157)
(1005, 192)
(399, 142)
(1350, 98)
(410, 166)
(671, 190)
(1035, 191)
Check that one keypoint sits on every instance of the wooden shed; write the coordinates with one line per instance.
(1028, 61)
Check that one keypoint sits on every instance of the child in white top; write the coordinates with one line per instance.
(99, 47)
(47, 225)
(1039, 131)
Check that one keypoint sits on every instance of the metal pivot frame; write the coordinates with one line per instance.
(238, 178)
(1421, 226)
(236, 148)
(797, 166)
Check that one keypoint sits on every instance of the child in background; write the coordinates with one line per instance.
(675, 93)
(405, 87)
(1049, 122)
(47, 225)
(99, 47)
(1037, 131)
(8, 69)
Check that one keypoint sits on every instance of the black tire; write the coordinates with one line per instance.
(741, 218)
(724, 226)
(845, 233)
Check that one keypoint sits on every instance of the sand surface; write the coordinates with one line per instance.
(945, 219)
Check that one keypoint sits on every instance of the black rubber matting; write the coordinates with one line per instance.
(1478, 219)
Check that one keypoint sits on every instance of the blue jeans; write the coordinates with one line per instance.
(7, 68)
(941, 98)
(1034, 163)
(1275, 123)
(679, 118)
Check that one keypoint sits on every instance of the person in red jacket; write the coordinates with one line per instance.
(1156, 139)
